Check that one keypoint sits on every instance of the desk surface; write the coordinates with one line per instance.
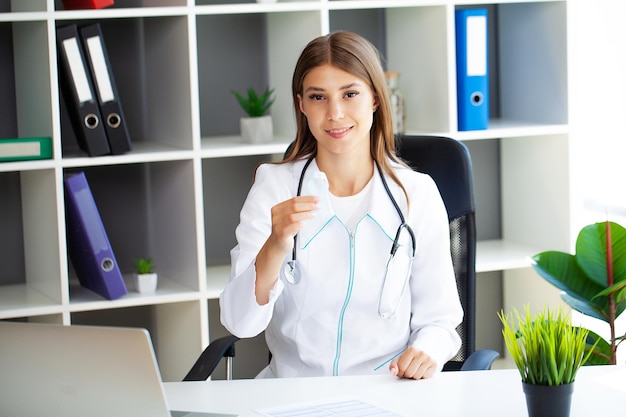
(479, 393)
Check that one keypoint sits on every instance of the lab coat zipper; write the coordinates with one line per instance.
(344, 307)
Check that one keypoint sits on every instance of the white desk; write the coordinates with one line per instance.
(495, 393)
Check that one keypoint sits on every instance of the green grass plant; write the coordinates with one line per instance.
(546, 348)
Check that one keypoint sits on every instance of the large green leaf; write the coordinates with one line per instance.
(561, 270)
(586, 307)
(591, 252)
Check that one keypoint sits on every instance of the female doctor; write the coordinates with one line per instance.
(313, 265)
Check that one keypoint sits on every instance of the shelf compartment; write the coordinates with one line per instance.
(148, 211)
(150, 62)
(30, 279)
(8, 6)
(532, 62)
(224, 195)
(175, 328)
(24, 68)
(536, 193)
(263, 49)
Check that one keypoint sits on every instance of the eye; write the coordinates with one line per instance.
(351, 94)
(316, 97)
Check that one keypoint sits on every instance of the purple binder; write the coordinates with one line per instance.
(88, 244)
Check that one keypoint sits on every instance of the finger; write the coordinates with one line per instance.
(393, 367)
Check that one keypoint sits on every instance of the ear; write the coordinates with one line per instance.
(376, 103)
(300, 104)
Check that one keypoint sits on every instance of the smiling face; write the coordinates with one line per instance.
(339, 108)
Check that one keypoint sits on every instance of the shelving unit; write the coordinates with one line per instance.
(176, 195)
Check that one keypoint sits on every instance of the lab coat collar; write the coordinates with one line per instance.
(380, 208)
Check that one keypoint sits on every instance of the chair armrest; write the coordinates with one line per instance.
(210, 358)
(480, 360)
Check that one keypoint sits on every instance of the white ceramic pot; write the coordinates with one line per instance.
(145, 283)
(256, 129)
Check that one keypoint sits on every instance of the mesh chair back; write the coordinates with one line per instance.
(448, 162)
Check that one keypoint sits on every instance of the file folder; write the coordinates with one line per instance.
(25, 149)
(78, 92)
(472, 69)
(88, 243)
(106, 89)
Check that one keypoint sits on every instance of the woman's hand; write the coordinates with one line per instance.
(413, 363)
(287, 220)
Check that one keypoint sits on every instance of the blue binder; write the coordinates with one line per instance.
(88, 244)
(472, 69)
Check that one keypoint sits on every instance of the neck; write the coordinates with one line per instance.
(346, 176)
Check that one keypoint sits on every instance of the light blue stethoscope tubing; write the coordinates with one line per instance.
(292, 272)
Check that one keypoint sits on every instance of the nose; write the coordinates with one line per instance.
(335, 110)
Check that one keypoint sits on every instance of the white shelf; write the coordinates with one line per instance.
(229, 146)
(217, 277)
(500, 255)
(24, 301)
(176, 196)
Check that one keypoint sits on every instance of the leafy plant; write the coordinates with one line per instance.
(593, 280)
(255, 105)
(546, 348)
(144, 266)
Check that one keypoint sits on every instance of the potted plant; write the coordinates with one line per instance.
(548, 351)
(145, 277)
(593, 281)
(257, 127)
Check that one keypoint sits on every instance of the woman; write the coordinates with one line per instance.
(312, 264)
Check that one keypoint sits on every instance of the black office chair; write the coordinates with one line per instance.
(448, 162)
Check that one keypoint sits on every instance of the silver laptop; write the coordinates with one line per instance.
(53, 370)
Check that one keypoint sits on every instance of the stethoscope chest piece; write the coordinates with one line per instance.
(291, 272)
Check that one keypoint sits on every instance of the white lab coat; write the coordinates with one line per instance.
(329, 323)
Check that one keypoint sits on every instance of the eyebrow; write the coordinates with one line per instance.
(345, 87)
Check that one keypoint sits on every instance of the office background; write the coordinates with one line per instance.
(549, 163)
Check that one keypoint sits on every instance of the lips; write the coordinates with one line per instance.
(339, 132)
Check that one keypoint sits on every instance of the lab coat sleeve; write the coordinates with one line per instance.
(436, 310)
(239, 311)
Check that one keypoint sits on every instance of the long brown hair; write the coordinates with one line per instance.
(356, 55)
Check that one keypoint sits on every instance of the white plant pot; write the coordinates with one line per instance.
(256, 129)
(145, 283)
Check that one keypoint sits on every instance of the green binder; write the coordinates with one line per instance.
(25, 149)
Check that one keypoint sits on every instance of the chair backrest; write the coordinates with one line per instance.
(448, 162)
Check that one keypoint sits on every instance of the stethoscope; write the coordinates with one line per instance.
(293, 274)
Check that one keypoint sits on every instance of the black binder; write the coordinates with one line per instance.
(78, 92)
(104, 82)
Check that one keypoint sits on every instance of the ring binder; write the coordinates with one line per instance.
(471, 66)
(88, 244)
(77, 89)
(24, 149)
(108, 98)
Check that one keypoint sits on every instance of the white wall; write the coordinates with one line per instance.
(597, 117)
(597, 76)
